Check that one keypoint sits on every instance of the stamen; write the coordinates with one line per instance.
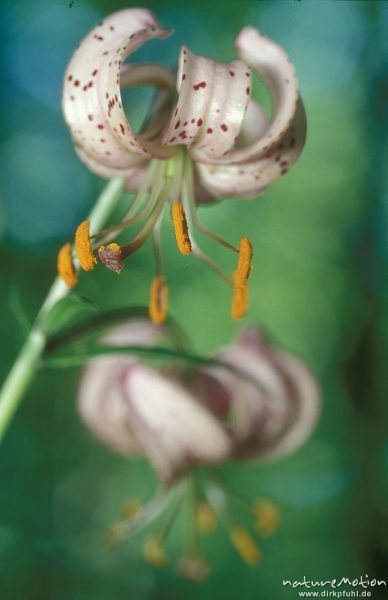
(83, 247)
(115, 535)
(194, 567)
(205, 518)
(188, 201)
(267, 515)
(65, 265)
(239, 302)
(180, 227)
(111, 256)
(158, 300)
(154, 552)
(130, 509)
(240, 279)
(246, 546)
(244, 264)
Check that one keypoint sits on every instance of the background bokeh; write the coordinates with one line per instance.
(318, 289)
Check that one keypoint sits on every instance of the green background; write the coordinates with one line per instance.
(320, 239)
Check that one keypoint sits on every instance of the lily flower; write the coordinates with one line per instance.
(257, 403)
(206, 139)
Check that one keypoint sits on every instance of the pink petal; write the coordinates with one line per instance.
(307, 406)
(274, 67)
(213, 98)
(102, 404)
(175, 431)
(101, 395)
(278, 416)
(91, 92)
(249, 179)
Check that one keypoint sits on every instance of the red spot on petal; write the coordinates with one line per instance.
(102, 140)
(199, 122)
(70, 78)
(224, 127)
(177, 124)
(122, 128)
(95, 72)
(100, 126)
(90, 117)
(183, 77)
(76, 83)
(209, 130)
(231, 73)
(201, 84)
(248, 90)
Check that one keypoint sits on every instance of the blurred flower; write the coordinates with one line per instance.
(254, 402)
(205, 139)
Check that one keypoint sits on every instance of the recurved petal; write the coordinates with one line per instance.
(174, 429)
(283, 406)
(306, 397)
(248, 180)
(212, 101)
(91, 100)
(274, 67)
(102, 402)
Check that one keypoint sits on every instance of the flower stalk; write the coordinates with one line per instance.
(24, 368)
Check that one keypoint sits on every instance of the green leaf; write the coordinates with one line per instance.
(67, 311)
(18, 310)
(83, 355)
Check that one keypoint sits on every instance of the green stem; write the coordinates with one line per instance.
(24, 368)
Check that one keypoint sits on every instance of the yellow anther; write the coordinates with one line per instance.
(180, 227)
(240, 279)
(154, 552)
(267, 515)
(111, 256)
(130, 509)
(205, 519)
(246, 546)
(244, 264)
(239, 302)
(158, 300)
(194, 568)
(65, 266)
(83, 247)
(115, 535)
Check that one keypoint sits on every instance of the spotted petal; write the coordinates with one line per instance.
(92, 102)
(272, 145)
(213, 98)
(248, 180)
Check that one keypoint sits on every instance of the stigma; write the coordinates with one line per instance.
(167, 184)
